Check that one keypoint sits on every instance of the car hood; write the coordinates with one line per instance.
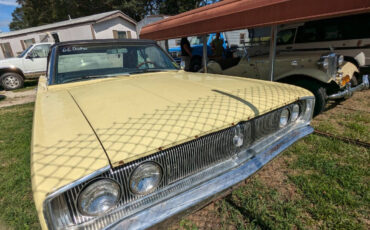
(10, 62)
(137, 116)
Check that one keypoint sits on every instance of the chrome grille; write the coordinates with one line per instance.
(178, 162)
(333, 66)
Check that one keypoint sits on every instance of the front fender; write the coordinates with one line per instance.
(309, 72)
(11, 68)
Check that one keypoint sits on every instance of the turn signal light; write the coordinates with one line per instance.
(345, 80)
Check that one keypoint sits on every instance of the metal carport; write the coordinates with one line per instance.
(240, 14)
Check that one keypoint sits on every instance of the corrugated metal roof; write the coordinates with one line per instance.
(91, 18)
(240, 14)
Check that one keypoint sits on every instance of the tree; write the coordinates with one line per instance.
(39, 12)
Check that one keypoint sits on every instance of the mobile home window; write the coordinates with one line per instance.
(7, 50)
(117, 34)
(44, 37)
(28, 42)
(242, 38)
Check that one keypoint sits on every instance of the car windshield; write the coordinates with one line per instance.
(24, 52)
(89, 61)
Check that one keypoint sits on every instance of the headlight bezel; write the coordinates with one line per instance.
(340, 60)
(324, 62)
(298, 113)
(301, 110)
(91, 183)
(287, 121)
(154, 187)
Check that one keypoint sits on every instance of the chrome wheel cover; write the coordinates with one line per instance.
(11, 82)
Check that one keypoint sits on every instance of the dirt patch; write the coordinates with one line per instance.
(275, 176)
(4, 227)
(9, 98)
(206, 218)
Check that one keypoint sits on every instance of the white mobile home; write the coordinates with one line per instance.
(113, 24)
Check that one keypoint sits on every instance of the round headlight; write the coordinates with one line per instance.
(340, 60)
(145, 178)
(295, 112)
(325, 63)
(98, 197)
(284, 118)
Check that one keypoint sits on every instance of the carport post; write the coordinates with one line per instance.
(205, 53)
(166, 45)
(272, 50)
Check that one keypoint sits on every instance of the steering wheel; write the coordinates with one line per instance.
(145, 62)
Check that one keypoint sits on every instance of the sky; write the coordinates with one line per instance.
(6, 9)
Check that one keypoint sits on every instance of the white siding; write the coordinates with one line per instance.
(148, 20)
(104, 30)
(233, 37)
(65, 34)
(75, 33)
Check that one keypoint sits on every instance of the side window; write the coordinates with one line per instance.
(40, 51)
(307, 34)
(331, 32)
(286, 37)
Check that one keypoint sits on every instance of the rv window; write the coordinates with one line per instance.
(285, 37)
(307, 34)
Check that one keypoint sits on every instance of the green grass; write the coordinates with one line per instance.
(16, 203)
(351, 124)
(328, 180)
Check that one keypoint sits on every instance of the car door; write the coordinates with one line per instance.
(36, 58)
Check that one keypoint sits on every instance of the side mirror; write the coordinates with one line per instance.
(29, 55)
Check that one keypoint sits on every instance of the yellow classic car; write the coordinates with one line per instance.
(124, 139)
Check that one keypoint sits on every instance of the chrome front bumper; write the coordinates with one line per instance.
(350, 90)
(239, 168)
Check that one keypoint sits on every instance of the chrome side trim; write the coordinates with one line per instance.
(349, 90)
(205, 191)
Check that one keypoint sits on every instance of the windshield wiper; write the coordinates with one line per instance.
(85, 78)
(146, 71)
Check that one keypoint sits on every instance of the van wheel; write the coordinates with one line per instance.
(11, 81)
(318, 90)
(356, 79)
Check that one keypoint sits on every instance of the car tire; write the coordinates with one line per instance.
(355, 80)
(321, 98)
(11, 81)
